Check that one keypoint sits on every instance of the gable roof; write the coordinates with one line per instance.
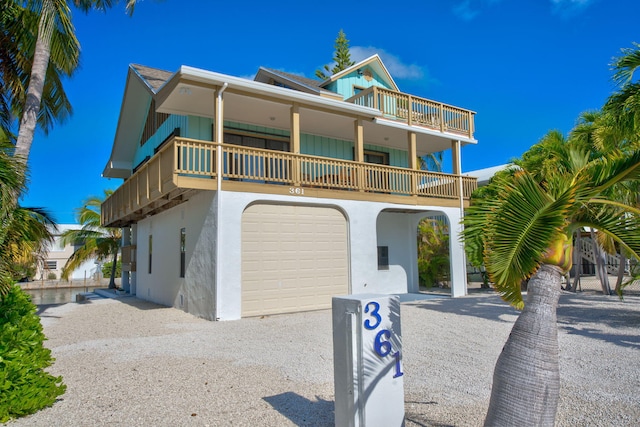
(154, 78)
(297, 82)
(373, 62)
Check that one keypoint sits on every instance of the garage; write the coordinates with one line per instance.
(294, 258)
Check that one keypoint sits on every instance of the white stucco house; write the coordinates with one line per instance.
(57, 256)
(252, 197)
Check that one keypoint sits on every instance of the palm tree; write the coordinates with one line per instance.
(18, 28)
(54, 18)
(22, 230)
(525, 231)
(95, 241)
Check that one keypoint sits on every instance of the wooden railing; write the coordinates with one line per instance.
(417, 111)
(186, 164)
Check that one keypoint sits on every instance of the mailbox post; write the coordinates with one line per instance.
(367, 361)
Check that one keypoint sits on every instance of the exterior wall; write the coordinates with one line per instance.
(163, 131)
(369, 225)
(60, 254)
(344, 86)
(195, 292)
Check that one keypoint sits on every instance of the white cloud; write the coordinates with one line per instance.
(570, 7)
(464, 11)
(396, 67)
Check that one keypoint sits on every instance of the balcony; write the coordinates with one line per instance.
(416, 111)
(184, 166)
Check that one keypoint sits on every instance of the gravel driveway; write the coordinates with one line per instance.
(127, 362)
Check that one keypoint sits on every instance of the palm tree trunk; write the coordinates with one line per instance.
(621, 266)
(526, 380)
(577, 260)
(39, 67)
(112, 279)
(601, 265)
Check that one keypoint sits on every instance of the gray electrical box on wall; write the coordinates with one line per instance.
(367, 361)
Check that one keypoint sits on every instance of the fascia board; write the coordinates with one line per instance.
(240, 84)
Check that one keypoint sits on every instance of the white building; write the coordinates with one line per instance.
(57, 256)
(246, 198)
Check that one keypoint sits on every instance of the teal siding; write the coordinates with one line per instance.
(198, 128)
(161, 134)
(256, 129)
(339, 149)
(344, 85)
(326, 147)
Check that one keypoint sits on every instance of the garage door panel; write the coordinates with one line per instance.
(294, 258)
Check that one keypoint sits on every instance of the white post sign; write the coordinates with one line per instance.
(367, 361)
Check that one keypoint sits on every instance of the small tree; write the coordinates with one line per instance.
(95, 241)
(341, 57)
(433, 252)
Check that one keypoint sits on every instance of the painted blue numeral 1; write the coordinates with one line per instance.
(399, 372)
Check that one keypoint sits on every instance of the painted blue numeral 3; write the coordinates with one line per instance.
(374, 313)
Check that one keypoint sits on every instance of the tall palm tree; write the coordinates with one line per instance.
(54, 17)
(18, 29)
(95, 241)
(22, 230)
(525, 231)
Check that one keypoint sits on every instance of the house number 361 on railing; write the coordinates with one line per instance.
(382, 343)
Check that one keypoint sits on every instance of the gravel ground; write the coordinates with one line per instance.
(127, 362)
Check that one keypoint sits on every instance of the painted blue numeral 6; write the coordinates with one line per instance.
(374, 313)
(381, 345)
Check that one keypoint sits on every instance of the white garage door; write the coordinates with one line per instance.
(294, 258)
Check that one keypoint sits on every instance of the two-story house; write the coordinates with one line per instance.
(244, 198)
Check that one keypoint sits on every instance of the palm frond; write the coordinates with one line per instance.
(626, 65)
(520, 231)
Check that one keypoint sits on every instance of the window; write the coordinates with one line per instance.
(257, 141)
(183, 240)
(150, 251)
(376, 157)
(357, 89)
(383, 257)
(51, 265)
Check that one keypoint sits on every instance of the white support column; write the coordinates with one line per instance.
(134, 258)
(126, 241)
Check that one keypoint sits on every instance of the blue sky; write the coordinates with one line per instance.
(525, 66)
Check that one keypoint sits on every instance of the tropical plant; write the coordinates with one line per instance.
(26, 387)
(525, 232)
(108, 266)
(341, 57)
(24, 232)
(92, 240)
(433, 252)
(54, 19)
(18, 29)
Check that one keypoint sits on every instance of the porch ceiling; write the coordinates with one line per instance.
(272, 108)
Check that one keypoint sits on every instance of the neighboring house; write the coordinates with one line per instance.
(249, 198)
(57, 256)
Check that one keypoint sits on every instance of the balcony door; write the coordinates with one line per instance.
(257, 167)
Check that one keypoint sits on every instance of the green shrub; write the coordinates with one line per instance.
(25, 387)
(106, 269)
(51, 276)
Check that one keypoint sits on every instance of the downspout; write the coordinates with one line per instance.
(218, 139)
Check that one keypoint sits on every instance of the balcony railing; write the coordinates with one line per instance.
(417, 111)
(184, 165)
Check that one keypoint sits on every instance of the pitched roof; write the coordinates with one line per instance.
(293, 81)
(312, 83)
(153, 77)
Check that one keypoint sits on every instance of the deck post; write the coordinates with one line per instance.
(358, 140)
(413, 161)
(295, 143)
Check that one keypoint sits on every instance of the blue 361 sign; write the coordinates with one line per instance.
(382, 344)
